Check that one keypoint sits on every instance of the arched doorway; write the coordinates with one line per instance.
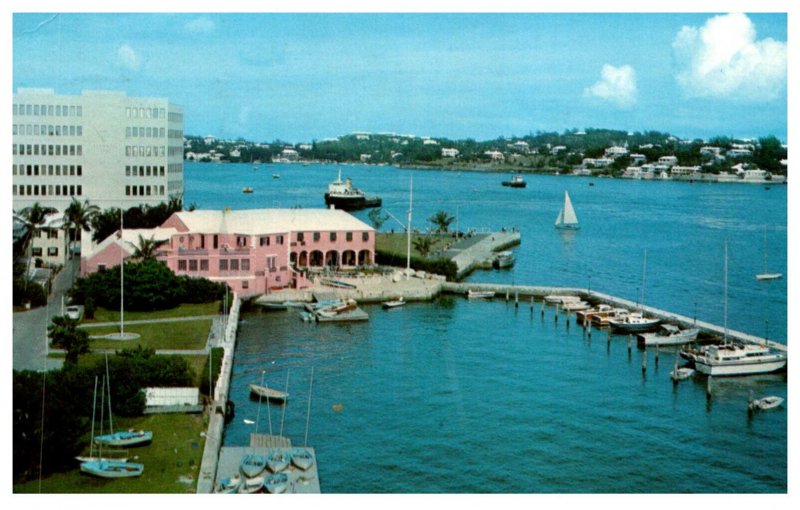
(364, 258)
(302, 260)
(316, 259)
(349, 258)
(332, 259)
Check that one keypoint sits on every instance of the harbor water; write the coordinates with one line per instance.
(460, 396)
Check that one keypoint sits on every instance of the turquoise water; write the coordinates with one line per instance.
(458, 396)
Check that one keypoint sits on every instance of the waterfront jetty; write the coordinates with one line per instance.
(480, 250)
(300, 481)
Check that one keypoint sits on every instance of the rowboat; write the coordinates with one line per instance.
(276, 483)
(251, 465)
(112, 468)
(681, 373)
(278, 460)
(125, 438)
(268, 393)
(229, 485)
(302, 458)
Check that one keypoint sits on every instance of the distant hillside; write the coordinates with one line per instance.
(539, 152)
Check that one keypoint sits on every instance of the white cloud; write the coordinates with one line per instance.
(617, 85)
(723, 59)
(201, 25)
(127, 57)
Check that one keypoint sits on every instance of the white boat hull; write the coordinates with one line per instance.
(685, 337)
(769, 276)
(739, 367)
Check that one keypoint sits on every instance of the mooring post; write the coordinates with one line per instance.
(555, 317)
(656, 355)
(644, 361)
(542, 309)
(516, 299)
(629, 344)
(708, 388)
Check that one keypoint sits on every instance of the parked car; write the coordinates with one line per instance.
(74, 312)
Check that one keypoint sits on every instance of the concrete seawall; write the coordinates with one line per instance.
(216, 419)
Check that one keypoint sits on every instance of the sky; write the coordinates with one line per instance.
(300, 77)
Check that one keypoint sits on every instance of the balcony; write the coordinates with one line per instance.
(189, 253)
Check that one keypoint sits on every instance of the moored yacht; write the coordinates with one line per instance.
(738, 359)
(669, 335)
(635, 322)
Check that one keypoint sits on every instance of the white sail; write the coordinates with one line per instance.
(566, 216)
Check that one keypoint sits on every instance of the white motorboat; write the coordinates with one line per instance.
(586, 315)
(634, 323)
(480, 294)
(732, 359)
(503, 260)
(604, 318)
(395, 303)
(567, 220)
(560, 298)
(574, 306)
(516, 182)
(681, 373)
(669, 335)
(764, 403)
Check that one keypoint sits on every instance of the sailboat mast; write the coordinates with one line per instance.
(408, 240)
(644, 280)
(121, 277)
(308, 409)
(94, 407)
(765, 249)
(725, 307)
(110, 416)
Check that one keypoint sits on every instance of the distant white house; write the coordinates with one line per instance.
(558, 148)
(362, 136)
(288, 154)
(602, 162)
(209, 139)
(305, 146)
(429, 141)
(449, 152)
(521, 146)
(739, 153)
(495, 155)
(365, 158)
(684, 170)
(588, 162)
(638, 159)
(668, 160)
(235, 153)
(616, 152)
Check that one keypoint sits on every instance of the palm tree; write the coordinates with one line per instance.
(77, 217)
(32, 218)
(146, 248)
(423, 245)
(442, 221)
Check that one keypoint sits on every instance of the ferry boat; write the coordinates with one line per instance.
(734, 359)
(516, 182)
(342, 195)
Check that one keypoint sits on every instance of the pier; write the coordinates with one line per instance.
(479, 250)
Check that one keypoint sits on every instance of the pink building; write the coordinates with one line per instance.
(251, 250)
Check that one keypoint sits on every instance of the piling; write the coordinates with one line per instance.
(516, 300)
(656, 355)
(630, 343)
(555, 316)
(644, 362)
(708, 388)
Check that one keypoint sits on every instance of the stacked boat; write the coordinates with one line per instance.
(271, 472)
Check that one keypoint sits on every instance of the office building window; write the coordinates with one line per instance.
(223, 264)
(192, 265)
(245, 264)
(181, 265)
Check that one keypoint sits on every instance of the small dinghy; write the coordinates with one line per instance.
(278, 460)
(112, 468)
(251, 485)
(251, 465)
(395, 303)
(302, 458)
(681, 373)
(268, 393)
(276, 483)
(765, 403)
(125, 438)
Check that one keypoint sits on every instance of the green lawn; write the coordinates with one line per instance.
(184, 310)
(397, 244)
(174, 454)
(158, 335)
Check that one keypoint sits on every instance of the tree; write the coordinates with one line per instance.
(146, 248)
(442, 220)
(64, 334)
(78, 217)
(423, 245)
(377, 217)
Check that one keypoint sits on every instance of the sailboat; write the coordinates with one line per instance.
(567, 220)
(99, 456)
(108, 468)
(636, 322)
(767, 275)
(130, 437)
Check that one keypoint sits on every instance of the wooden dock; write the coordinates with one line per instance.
(300, 482)
(525, 292)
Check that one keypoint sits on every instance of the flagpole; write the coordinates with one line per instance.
(408, 241)
(121, 277)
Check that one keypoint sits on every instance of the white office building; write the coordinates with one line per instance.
(104, 147)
